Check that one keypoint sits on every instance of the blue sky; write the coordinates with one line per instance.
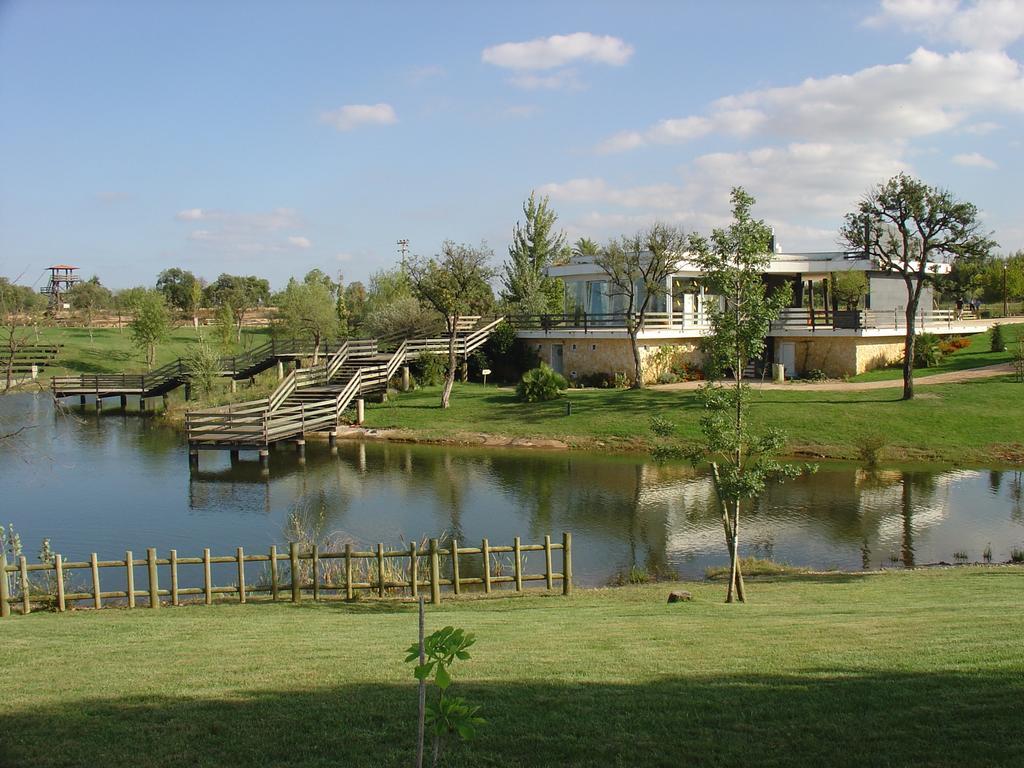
(271, 138)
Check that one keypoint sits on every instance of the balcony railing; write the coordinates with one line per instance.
(804, 319)
(589, 322)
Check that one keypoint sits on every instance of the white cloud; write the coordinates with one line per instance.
(354, 115)
(559, 50)
(803, 189)
(973, 160)
(244, 233)
(929, 93)
(984, 24)
(343, 257)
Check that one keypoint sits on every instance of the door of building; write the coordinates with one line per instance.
(787, 356)
(558, 358)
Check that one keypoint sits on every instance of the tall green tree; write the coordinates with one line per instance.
(391, 308)
(309, 309)
(584, 247)
(742, 459)
(240, 295)
(848, 288)
(535, 246)
(87, 297)
(909, 228)
(151, 324)
(20, 308)
(454, 284)
(178, 287)
(1004, 279)
(638, 267)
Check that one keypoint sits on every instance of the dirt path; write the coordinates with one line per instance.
(968, 374)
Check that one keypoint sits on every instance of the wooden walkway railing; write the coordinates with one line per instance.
(257, 423)
(307, 572)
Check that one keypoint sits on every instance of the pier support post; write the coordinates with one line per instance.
(142, 403)
(264, 458)
(188, 392)
(332, 441)
(167, 401)
(406, 379)
(234, 386)
(280, 370)
(234, 455)
(193, 456)
(124, 403)
(300, 449)
(99, 403)
(360, 410)
(81, 399)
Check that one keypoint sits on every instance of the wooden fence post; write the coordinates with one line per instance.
(174, 576)
(380, 570)
(435, 576)
(456, 587)
(5, 587)
(293, 556)
(129, 565)
(273, 571)
(94, 567)
(316, 572)
(240, 553)
(207, 578)
(26, 595)
(485, 555)
(414, 576)
(58, 568)
(517, 569)
(349, 592)
(547, 561)
(566, 563)
(154, 584)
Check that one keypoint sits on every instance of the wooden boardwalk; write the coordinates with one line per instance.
(313, 399)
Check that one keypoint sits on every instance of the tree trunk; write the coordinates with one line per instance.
(449, 379)
(195, 321)
(908, 350)
(638, 380)
(735, 579)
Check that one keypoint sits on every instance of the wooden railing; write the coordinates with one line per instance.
(609, 321)
(310, 572)
(803, 318)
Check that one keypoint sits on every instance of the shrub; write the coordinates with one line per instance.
(662, 427)
(667, 377)
(998, 341)
(541, 384)
(815, 374)
(429, 370)
(927, 352)
(869, 447)
(601, 380)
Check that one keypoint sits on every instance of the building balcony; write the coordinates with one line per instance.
(610, 324)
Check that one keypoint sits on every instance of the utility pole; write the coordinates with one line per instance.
(403, 247)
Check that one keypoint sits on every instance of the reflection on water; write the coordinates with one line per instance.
(109, 483)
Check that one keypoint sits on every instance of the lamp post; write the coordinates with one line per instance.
(1005, 306)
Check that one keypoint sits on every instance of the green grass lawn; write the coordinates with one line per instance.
(970, 421)
(112, 351)
(977, 355)
(921, 668)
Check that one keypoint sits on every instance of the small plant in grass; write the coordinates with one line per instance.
(1016, 555)
(662, 427)
(960, 556)
(203, 365)
(998, 339)
(986, 554)
(541, 384)
(450, 715)
(815, 374)
(869, 447)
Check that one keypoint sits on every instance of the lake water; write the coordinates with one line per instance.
(109, 483)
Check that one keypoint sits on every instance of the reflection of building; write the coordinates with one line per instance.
(815, 332)
(62, 278)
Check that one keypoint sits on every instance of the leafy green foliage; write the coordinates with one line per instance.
(535, 246)
(450, 715)
(927, 351)
(908, 227)
(151, 324)
(182, 289)
(240, 295)
(848, 288)
(202, 362)
(662, 427)
(541, 384)
(428, 369)
(997, 340)
(309, 309)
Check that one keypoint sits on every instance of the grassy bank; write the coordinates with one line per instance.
(843, 670)
(978, 354)
(109, 350)
(978, 421)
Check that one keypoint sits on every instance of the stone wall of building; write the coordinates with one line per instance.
(612, 356)
(840, 356)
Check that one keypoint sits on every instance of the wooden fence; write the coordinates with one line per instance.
(321, 575)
